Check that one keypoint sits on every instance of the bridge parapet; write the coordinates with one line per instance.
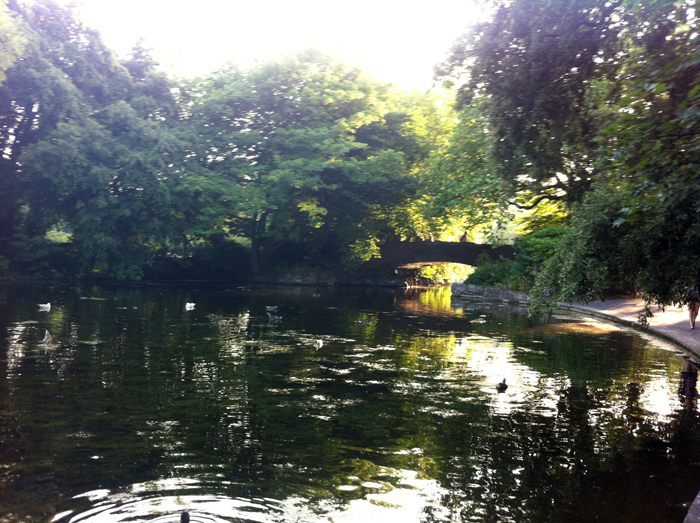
(420, 254)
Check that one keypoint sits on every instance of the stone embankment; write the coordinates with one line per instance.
(461, 290)
(322, 280)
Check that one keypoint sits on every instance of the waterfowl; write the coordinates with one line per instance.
(274, 318)
(185, 517)
(271, 308)
(501, 387)
(189, 306)
(362, 322)
(318, 344)
(46, 307)
(47, 338)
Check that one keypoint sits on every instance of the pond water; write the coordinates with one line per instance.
(139, 409)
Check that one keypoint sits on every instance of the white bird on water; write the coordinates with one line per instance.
(47, 338)
(273, 318)
(189, 306)
(46, 307)
(318, 344)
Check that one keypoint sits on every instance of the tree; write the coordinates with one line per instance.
(291, 151)
(593, 104)
(44, 88)
(533, 72)
(459, 182)
(641, 224)
(109, 178)
(11, 40)
(85, 144)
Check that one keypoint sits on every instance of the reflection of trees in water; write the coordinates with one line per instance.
(576, 465)
(688, 391)
(428, 301)
(164, 394)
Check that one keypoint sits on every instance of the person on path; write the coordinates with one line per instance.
(692, 298)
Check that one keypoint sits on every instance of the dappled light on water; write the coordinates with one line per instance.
(357, 405)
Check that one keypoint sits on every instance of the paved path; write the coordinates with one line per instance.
(671, 323)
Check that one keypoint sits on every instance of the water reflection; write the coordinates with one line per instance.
(140, 409)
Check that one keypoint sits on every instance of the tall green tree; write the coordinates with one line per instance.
(641, 225)
(108, 177)
(595, 105)
(53, 81)
(292, 150)
(84, 144)
(533, 71)
(11, 39)
(459, 182)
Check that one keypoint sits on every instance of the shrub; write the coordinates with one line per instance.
(519, 273)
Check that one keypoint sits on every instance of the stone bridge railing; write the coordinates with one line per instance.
(420, 254)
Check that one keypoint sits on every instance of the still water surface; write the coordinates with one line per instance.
(140, 409)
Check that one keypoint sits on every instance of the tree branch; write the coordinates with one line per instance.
(537, 201)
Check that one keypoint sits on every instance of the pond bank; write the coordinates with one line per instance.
(671, 323)
(322, 279)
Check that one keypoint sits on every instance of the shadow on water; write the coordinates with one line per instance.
(141, 408)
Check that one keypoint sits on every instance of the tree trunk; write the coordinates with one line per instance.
(258, 229)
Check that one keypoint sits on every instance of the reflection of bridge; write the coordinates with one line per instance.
(413, 255)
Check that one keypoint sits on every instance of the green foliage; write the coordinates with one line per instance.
(36, 257)
(362, 250)
(518, 274)
(228, 260)
(295, 150)
(542, 244)
(459, 182)
(595, 105)
(59, 233)
(503, 274)
(446, 272)
(546, 214)
(304, 152)
(109, 181)
(11, 40)
(85, 145)
(640, 226)
(531, 71)
(588, 255)
(583, 113)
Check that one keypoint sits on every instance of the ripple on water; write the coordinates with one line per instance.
(159, 502)
(372, 493)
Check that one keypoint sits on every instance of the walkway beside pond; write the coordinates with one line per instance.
(671, 323)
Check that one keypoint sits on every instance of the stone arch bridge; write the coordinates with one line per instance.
(414, 255)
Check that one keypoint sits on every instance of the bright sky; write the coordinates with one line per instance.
(393, 41)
